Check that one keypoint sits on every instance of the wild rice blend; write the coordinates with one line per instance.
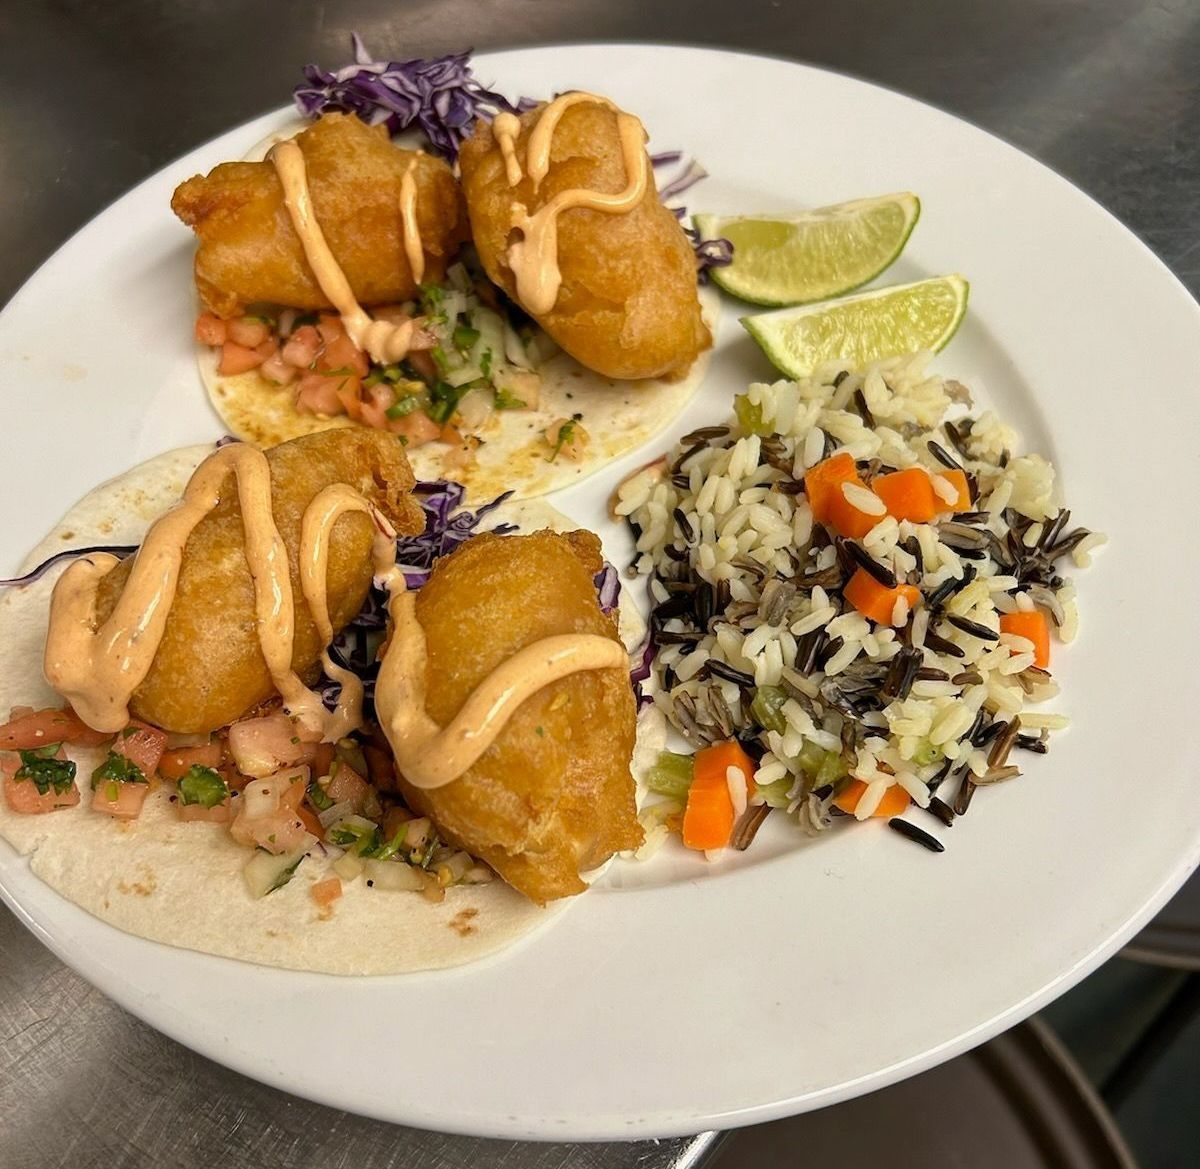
(756, 639)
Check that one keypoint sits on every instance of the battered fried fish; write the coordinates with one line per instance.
(553, 795)
(249, 251)
(209, 668)
(628, 306)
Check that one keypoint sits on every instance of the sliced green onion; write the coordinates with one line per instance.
(465, 337)
(403, 407)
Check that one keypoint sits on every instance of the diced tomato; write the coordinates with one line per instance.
(330, 327)
(326, 892)
(262, 746)
(281, 827)
(394, 314)
(372, 414)
(35, 728)
(237, 359)
(220, 813)
(342, 353)
(423, 365)
(451, 434)
(347, 785)
(380, 768)
(22, 795)
(302, 347)
(175, 764)
(276, 370)
(310, 821)
(393, 818)
(268, 348)
(248, 332)
(317, 394)
(417, 427)
(349, 392)
(422, 340)
(142, 745)
(211, 330)
(120, 799)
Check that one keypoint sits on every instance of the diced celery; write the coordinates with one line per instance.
(749, 416)
(775, 795)
(671, 775)
(767, 708)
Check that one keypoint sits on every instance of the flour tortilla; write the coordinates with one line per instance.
(514, 456)
(182, 884)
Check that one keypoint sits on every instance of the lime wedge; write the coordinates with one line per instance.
(822, 253)
(884, 322)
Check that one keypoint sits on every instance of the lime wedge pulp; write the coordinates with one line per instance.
(869, 326)
(815, 255)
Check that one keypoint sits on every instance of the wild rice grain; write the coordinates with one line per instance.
(942, 811)
(915, 834)
(973, 628)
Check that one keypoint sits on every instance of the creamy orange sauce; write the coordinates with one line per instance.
(533, 258)
(97, 667)
(408, 223)
(430, 756)
(507, 129)
(316, 529)
(386, 342)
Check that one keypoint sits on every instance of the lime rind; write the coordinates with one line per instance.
(807, 258)
(800, 339)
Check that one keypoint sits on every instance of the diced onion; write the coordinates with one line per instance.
(395, 875)
(260, 798)
(348, 866)
(335, 812)
(264, 872)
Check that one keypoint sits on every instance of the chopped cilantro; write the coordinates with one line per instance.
(356, 838)
(485, 363)
(445, 401)
(46, 773)
(465, 338)
(203, 786)
(508, 401)
(119, 769)
(565, 433)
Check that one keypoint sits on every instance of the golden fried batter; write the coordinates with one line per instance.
(628, 306)
(249, 252)
(209, 669)
(553, 795)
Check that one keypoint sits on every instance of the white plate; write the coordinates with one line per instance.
(675, 999)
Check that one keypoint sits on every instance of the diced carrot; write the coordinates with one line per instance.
(142, 745)
(211, 330)
(908, 495)
(416, 427)
(708, 818)
(895, 800)
(27, 729)
(237, 359)
(849, 520)
(175, 764)
(877, 601)
(957, 480)
(248, 332)
(1031, 624)
(326, 892)
(825, 479)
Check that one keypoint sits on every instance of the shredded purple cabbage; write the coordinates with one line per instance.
(438, 95)
(685, 180)
(710, 253)
(608, 587)
(118, 550)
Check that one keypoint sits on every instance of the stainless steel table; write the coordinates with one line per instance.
(93, 97)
